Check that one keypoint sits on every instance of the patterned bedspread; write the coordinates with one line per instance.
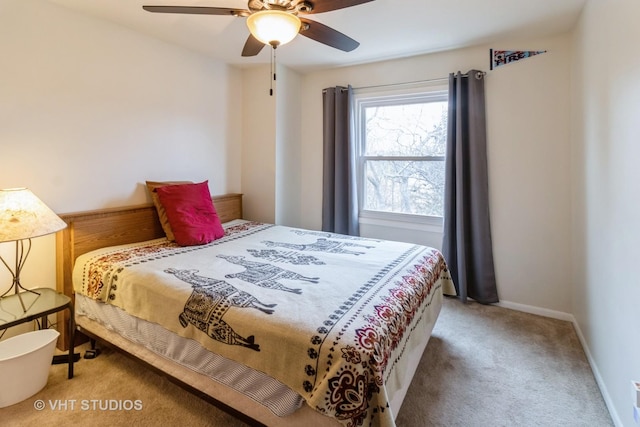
(326, 314)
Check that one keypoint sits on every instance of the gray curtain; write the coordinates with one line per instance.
(339, 194)
(467, 230)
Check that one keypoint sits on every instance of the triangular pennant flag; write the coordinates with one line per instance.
(504, 57)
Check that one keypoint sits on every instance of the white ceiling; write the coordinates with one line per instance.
(385, 28)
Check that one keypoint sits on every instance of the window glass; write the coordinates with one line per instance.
(410, 187)
(417, 129)
(401, 147)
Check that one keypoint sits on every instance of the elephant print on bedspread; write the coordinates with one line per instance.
(321, 245)
(265, 275)
(287, 257)
(208, 303)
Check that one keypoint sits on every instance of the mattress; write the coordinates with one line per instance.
(263, 389)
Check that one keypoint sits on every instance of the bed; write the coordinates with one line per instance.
(276, 325)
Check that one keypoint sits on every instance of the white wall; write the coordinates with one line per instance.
(271, 146)
(529, 166)
(288, 142)
(606, 209)
(90, 110)
(529, 159)
(258, 146)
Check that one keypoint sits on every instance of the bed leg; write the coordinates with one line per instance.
(93, 352)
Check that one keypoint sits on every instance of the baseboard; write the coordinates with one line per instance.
(570, 318)
(545, 312)
(596, 373)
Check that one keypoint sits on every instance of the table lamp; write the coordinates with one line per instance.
(22, 217)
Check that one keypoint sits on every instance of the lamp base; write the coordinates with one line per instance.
(21, 258)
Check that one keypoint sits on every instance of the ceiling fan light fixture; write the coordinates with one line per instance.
(273, 27)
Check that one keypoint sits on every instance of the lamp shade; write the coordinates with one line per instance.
(23, 216)
(273, 27)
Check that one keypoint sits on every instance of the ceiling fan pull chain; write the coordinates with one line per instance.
(273, 69)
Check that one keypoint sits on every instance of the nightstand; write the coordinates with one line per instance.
(38, 303)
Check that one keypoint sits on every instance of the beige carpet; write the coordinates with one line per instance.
(484, 366)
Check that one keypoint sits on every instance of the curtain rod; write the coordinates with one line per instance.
(479, 75)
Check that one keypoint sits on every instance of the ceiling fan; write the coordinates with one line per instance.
(276, 22)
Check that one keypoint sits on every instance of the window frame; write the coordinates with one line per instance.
(388, 97)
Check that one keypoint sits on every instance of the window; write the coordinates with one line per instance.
(401, 142)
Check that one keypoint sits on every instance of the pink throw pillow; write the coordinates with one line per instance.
(191, 213)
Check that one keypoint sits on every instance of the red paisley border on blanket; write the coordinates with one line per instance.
(350, 392)
(100, 267)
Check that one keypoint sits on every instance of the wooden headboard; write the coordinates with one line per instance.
(96, 229)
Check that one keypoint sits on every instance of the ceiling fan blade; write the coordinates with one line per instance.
(252, 46)
(320, 6)
(197, 10)
(327, 35)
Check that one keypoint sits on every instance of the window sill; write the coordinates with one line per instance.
(408, 222)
